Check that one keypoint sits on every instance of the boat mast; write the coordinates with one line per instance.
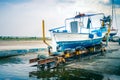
(114, 19)
(112, 9)
(112, 12)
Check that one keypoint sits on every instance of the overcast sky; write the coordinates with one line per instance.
(23, 17)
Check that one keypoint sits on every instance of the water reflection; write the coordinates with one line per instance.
(63, 73)
(11, 60)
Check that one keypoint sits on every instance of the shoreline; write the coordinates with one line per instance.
(10, 48)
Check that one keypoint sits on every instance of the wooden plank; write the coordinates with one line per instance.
(33, 60)
(45, 61)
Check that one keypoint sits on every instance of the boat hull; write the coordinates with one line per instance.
(64, 41)
(113, 32)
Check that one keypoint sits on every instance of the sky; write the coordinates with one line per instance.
(24, 17)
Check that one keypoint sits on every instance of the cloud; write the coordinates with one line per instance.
(13, 1)
(66, 1)
(116, 2)
(110, 2)
(24, 18)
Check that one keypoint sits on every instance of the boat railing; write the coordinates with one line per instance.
(63, 30)
(58, 28)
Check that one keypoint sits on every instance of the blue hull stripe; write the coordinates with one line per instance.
(73, 44)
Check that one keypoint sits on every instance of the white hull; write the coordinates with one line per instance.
(73, 36)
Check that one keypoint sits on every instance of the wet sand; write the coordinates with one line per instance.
(107, 65)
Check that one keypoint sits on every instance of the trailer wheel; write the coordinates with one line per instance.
(103, 50)
(48, 65)
(42, 66)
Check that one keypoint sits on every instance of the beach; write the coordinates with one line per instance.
(13, 45)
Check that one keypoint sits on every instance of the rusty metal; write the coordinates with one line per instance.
(45, 61)
(33, 60)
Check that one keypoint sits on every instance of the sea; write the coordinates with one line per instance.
(106, 67)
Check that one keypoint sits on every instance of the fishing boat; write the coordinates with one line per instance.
(113, 32)
(82, 30)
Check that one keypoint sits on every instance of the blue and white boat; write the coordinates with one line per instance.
(82, 30)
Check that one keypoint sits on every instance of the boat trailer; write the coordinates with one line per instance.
(68, 55)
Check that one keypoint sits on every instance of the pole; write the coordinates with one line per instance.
(44, 38)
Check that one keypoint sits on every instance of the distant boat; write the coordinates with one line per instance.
(83, 30)
(113, 30)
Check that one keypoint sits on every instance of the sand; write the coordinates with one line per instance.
(14, 45)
